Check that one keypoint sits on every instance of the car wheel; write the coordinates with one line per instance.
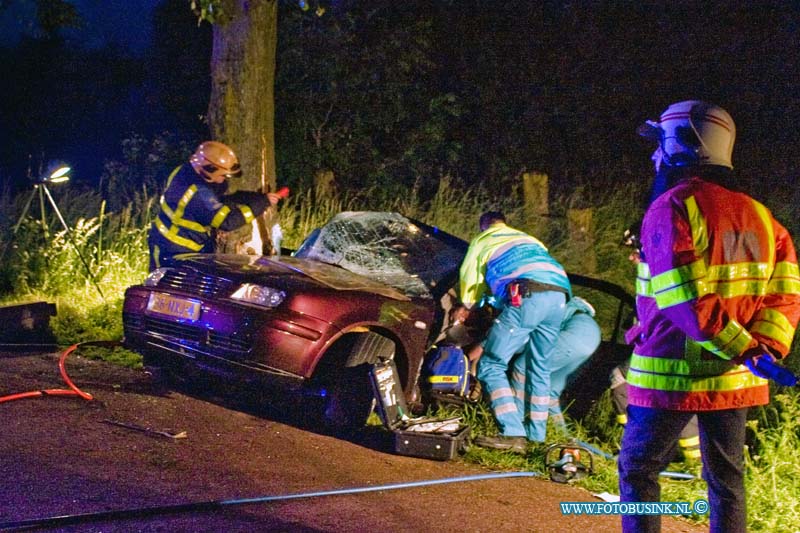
(345, 399)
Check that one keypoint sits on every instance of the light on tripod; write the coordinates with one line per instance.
(55, 173)
(59, 175)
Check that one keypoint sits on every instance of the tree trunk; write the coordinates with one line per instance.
(241, 111)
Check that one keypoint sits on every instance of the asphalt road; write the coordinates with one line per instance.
(60, 457)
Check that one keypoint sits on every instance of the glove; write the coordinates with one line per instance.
(754, 353)
(752, 364)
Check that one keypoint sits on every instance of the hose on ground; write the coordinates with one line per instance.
(73, 390)
(219, 504)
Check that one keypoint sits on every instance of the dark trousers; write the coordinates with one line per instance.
(648, 444)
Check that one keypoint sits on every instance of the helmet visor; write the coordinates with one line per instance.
(651, 130)
(234, 172)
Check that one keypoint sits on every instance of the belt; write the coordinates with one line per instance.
(529, 286)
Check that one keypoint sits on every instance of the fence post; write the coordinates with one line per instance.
(536, 195)
(580, 224)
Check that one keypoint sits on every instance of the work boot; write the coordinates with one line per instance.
(503, 442)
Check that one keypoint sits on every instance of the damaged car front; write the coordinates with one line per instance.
(363, 288)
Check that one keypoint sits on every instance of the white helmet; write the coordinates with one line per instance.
(693, 133)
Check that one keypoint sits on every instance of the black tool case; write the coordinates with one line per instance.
(429, 438)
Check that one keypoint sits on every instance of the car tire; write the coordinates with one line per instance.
(344, 401)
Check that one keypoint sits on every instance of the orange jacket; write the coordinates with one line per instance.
(719, 275)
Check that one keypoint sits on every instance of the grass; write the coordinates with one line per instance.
(113, 245)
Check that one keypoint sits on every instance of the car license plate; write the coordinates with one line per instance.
(166, 304)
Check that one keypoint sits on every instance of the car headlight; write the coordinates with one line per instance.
(258, 295)
(154, 277)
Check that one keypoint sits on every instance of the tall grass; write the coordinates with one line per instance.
(113, 243)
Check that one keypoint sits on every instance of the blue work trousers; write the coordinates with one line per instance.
(534, 327)
(578, 339)
(649, 443)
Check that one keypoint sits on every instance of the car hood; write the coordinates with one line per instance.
(284, 273)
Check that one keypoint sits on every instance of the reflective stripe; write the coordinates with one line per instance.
(681, 367)
(726, 382)
(697, 365)
(786, 269)
(684, 293)
(730, 342)
(698, 225)
(773, 324)
(172, 175)
(766, 219)
(219, 218)
(643, 286)
(504, 409)
(500, 393)
(176, 217)
(679, 276)
(692, 454)
(785, 279)
(247, 212)
(739, 271)
(540, 400)
(177, 239)
(643, 270)
(538, 415)
(511, 240)
(784, 286)
(541, 266)
(689, 441)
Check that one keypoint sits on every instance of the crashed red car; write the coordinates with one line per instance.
(365, 288)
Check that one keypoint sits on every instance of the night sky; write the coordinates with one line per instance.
(123, 25)
(122, 22)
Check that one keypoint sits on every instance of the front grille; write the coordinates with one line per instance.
(194, 282)
(235, 346)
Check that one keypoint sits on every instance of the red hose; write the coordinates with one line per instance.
(72, 391)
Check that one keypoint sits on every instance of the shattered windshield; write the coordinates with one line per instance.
(387, 247)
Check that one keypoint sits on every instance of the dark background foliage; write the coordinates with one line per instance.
(398, 93)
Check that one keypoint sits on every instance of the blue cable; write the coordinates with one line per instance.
(212, 505)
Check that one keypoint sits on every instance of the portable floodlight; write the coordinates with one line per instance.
(59, 175)
(56, 173)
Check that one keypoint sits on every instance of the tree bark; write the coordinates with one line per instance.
(241, 111)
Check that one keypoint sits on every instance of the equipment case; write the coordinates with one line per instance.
(429, 438)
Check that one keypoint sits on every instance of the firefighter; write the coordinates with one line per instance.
(533, 287)
(725, 290)
(193, 206)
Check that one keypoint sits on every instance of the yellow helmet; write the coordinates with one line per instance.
(215, 162)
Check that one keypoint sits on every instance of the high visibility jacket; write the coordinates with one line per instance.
(719, 275)
(502, 254)
(191, 208)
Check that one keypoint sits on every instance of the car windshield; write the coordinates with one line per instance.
(412, 257)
